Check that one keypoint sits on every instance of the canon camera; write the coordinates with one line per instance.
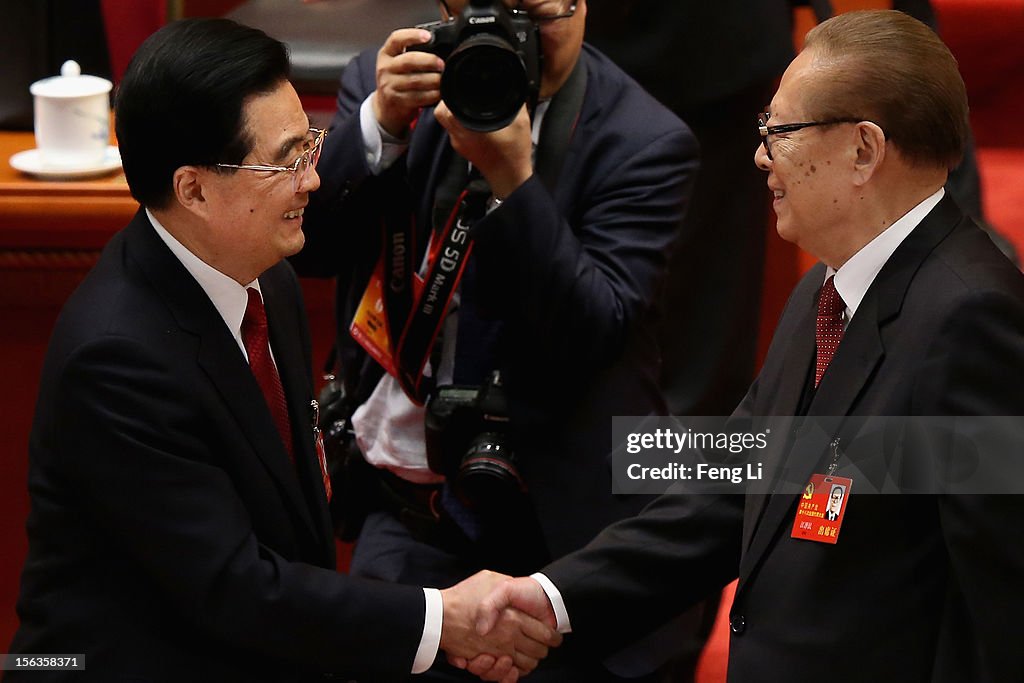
(467, 441)
(492, 63)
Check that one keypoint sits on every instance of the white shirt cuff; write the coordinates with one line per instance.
(381, 148)
(431, 640)
(557, 604)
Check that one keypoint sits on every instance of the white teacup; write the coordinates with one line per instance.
(72, 118)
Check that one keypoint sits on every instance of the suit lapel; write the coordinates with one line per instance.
(782, 384)
(802, 452)
(786, 386)
(219, 357)
(236, 384)
(850, 372)
(285, 334)
(853, 364)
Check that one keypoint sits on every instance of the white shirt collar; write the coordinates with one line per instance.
(856, 275)
(228, 297)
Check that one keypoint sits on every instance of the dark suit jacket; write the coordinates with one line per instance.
(563, 280)
(904, 595)
(170, 539)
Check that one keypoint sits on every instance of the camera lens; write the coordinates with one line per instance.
(488, 478)
(484, 83)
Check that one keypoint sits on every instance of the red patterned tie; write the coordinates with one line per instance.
(828, 328)
(254, 336)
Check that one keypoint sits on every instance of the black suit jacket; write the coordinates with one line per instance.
(904, 595)
(170, 538)
(564, 278)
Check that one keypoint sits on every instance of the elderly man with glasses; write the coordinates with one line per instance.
(912, 312)
(559, 225)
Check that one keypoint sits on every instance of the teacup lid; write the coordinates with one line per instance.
(70, 83)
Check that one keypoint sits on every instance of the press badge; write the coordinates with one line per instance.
(370, 326)
(321, 453)
(321, 456)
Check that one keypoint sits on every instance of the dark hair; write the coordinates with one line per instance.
(180, 101)
(893, 70)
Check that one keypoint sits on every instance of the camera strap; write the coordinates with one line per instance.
(418, 312)
(372, 325)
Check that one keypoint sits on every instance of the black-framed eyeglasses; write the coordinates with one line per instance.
(765, 130)
(551, 10)
(300, 169)
(543, 12)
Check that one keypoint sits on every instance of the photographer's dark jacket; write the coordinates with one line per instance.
(563, 278)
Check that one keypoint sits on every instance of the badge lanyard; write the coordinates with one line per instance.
(408, 307)
(432, 293)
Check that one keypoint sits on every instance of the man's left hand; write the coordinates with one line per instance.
(504, 157)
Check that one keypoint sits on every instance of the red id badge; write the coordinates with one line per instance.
(321, 456)
(822, 506)
(369, 325)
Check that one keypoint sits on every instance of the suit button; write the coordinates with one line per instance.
(738, 624)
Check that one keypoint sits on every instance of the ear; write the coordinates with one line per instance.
(189, 189)
(870, 143)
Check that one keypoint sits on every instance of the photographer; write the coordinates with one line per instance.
(561, 200)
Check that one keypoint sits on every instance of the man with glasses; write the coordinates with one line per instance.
(583, 198)
(179, 528)
(911, 312)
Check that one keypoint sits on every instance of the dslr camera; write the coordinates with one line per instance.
(492, 63)
(468, 442)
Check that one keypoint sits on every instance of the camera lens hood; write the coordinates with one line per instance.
(485, 82)
(488, 478)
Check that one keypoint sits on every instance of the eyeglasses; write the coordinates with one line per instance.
(766, 130)
(307, 160)
(549, 11)
(543, 12)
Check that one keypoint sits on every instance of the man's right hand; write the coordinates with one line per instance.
(514, 643)
(406, 81)
(523, 595)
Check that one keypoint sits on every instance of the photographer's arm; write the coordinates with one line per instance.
(571, 276)
(504, 157)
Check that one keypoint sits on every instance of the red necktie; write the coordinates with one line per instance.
(254, 336)
(828, 328)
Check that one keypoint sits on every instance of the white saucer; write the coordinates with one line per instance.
(30, 162)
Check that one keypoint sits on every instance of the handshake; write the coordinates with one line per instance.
(497, 627)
